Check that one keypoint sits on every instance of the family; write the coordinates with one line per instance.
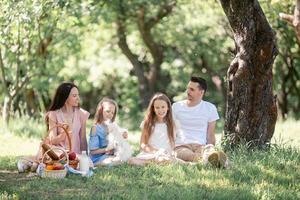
(178, 133)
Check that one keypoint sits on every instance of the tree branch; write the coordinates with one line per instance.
(20, 86)
(163, 11)
(287, 18)
(122, 43)
(293, 20)
(156, 50)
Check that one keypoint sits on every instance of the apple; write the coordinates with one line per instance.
(58, 166)
(72, 156)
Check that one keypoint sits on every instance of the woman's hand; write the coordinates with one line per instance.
(61, 137)
(55, 140)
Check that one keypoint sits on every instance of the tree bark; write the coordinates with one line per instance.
(251, 110)
(293, 20)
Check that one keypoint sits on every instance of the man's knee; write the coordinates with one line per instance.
(186, 154)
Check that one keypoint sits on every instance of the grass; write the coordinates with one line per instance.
(272, 174)
(287, 133)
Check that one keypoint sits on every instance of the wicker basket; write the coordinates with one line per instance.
(50, 154)
(54, 173)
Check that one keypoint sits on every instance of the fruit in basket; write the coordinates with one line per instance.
(58, 166)
(72, 156)
(49, 167)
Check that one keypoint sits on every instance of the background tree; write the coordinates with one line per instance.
(28, 54)
(194, 37)
(286, 66)
(147, 63)
(23, 48)
(287, 72)
(251, 106)
(293, 20)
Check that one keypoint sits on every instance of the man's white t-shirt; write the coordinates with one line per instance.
(194, 120)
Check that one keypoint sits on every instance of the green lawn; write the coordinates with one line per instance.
(272, 174)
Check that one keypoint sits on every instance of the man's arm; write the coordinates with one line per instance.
(211, 138)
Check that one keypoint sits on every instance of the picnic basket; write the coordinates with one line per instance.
(50, 156)
(46, 173)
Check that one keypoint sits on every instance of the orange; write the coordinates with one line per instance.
(49, 167)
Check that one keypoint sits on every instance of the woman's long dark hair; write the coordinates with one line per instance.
(60, 97)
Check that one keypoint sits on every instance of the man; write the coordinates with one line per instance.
(197, 119)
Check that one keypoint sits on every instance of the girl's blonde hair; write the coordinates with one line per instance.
(150, 119)
(98, 119)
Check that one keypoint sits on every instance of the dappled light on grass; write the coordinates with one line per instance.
(254, 174)
(249, 178)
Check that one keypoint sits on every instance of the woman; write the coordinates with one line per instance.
(65, 109)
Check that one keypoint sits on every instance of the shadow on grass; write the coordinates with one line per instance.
(124, 182)
(254, 175)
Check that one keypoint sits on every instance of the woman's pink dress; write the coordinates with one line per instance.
(78, 136)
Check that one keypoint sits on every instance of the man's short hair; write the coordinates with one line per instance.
(200, 81)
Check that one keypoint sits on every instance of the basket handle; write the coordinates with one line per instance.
(63, 126)
(53, 148)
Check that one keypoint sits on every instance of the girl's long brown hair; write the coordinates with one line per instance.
(150, 119)
(98, 119)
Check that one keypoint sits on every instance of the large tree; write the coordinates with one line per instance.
(251, 106)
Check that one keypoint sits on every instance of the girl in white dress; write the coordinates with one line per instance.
(159, 133)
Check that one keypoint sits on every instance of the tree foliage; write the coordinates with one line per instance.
(73, 40)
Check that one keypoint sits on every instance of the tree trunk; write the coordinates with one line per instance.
(148, 73)
(138, 67)
(32, 102)
(6, 110)
(251, 111)
(282, 100)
